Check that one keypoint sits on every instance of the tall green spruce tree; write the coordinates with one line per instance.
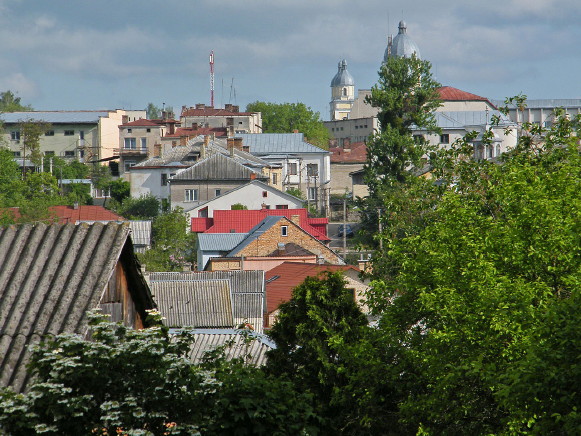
(406, 96)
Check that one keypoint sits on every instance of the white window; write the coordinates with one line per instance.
(312, 170)
(15, 135)
(144, 143)
(191, 195)
(128, 164)
(283, 230)
(312, 192)
(130, 143)
(445, 138)
(292, 169)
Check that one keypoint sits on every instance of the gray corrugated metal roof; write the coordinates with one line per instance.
(50, 275)
(201, 303)
(461, 119)
(176, 155)
(254, 233)
(140, 232)
(218, 167)
(240, 344)
(56, 117)
(277, 143)
(219, 241)
(247, 288)
(548, 103)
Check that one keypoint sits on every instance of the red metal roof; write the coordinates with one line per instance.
(290, 275)
(68, 214)
(241, 221)
(454, 94)
(355, 153)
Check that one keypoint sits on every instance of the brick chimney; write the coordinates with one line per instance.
(230, 145)
(228, 107)
(200, 106)
(157, 150)
(238, 143)
(236, 108)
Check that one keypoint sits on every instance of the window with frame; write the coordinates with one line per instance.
(69, 153)
(130, 143)
(49, 153)
(283, 230)
(128, 164)
(148, 130)
(15, 135)
(190, 195)
(274, 178)
(164, 180)
(292, 168)
(144, 143)
(217, 192)
(49, 133)
(282, 206)
(69, 133)
(16, 153)
(444, 138)
(312, 193)
(129, 130)
(312, 169)
(265, 193)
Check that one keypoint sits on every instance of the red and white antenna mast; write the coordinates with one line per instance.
(212, 78)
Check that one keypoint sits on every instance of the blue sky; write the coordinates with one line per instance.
(73, 55)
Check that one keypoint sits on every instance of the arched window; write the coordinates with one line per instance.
(344, 92)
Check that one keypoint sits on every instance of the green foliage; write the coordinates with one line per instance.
(325, 347)
(470, 281)
(406, 95)
(288, 117)
(10, 103)
(101, 176)
(131, 382)
(173, 245)
(153, 112)
(30, 133)
(296, 192)
(238, 206)
(120, 190)
(144, 207)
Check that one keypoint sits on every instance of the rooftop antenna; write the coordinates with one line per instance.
(212, 78)
(232, 92)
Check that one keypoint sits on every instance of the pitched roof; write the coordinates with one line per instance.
(253, 182)
(278, 143)
(281, 280)
(201, 303)
(238, 346)
(173, 158)
(246, 288)
(256, 232)
(462, 119)
(355, 153)
(142, 122)
(140, 232)
(68, 214)
(218, 167)
(187, 131)
(449, 93)
(51, 275)
(241, 221)
(219, 241)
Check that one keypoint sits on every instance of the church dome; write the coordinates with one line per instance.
(342, 78)
(402, 45)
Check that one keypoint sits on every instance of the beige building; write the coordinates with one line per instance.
(230, 118)
(84, 135)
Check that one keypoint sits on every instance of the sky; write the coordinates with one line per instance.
(124, 54)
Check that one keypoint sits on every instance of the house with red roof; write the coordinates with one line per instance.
(281, 281)
(75, 214)
(344, 160)
(241, 221)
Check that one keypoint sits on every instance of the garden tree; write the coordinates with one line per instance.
(120, 189)
(144, 207)
(11, 184)
(288, 117)
(132, 382)
(153, 112)
(172, 243)
(296, 192)
(468, 300)
(238, 206)
(326, 348)
(406, 96)
(10, 103)
(30, 133)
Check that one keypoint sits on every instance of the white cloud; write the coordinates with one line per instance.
(20, 85)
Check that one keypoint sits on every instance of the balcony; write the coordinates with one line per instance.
(131, 151)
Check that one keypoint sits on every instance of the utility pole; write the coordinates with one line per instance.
(344, 228)
(212, 78)
(379, 228)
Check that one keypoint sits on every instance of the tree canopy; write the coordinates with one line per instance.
(10, 103)
(288, 117)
